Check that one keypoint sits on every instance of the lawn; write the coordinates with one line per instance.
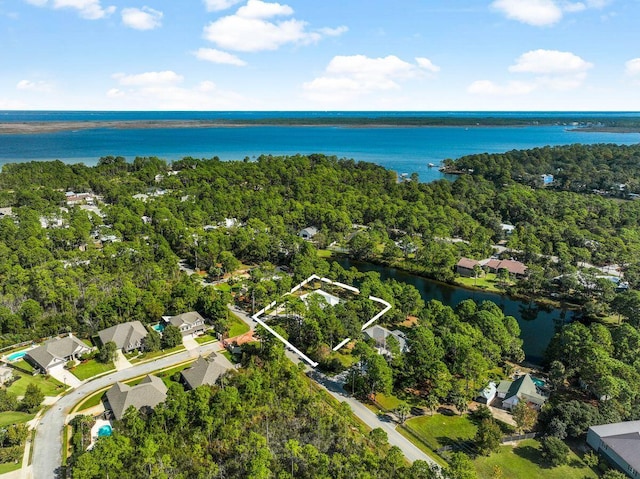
(49, 387)
(524, 462)
(206, 338)
(22, 364)
(325, 253)
(91, 368)
(236, 326)
(388, 402)
(487, 282)
(441, 430)
(223, 287)
(14, 417)
(157, 354)
(91, 401)
(10, 466)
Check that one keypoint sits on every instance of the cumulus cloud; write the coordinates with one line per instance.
(39, 86)
(217, 5)
(256, 27)
(542, 13)
(550, 62)
(632, 67)
(89, 9)
(144, 18)
(164, 90)
(347, 77)
(166, 77)
(218, 56)
(550, 69)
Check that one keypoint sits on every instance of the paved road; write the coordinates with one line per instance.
(47, 447)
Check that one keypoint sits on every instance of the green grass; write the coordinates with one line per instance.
(91, 368)
(14, 417)
(420, 445)
(487, 282)
(223, 287)
(10, 466)
(157, 354)
(49, 387)
(388, 402)
(237, 326)
(206, 338)
(325, 253)
(525, 462)
(441, 430)
(22, 364)
(91, 401)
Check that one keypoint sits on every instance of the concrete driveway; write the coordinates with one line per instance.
(64, 376)
(120, 361)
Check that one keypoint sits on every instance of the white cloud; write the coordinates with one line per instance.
(333, 32)
(38, 86)
(89, 9)
(252, 28)
(533, 12)
(144, 18)
(550, 62)
(166, 77)
(487, 87)
(162, 91)
(218, 56)
(347, 77)
(427, 64)
(632, 67)
(217, 5)
(542, 13)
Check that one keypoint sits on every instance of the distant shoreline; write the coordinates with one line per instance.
(33, 127)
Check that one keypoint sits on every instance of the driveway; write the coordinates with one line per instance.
(64, 376)
(120, 361)
(190, 343)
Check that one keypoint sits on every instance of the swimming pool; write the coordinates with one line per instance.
(540, 383)
(159, 327)
(17, 355)
(105, 431)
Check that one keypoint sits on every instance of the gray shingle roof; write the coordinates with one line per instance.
(126, 335)
(189, 318)
(203, 371)
(57, 350)
(150, 392)
(623, 438)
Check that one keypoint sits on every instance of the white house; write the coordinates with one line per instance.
(488, 394)
(329, 298)
(308, 233)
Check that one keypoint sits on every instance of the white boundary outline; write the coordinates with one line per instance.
(312, 363)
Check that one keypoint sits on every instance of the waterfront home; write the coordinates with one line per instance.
(191, 323)
(619, 443)
(465, 266)
(127, 336)
(488, 394)
(515, 268)
(380, 335)
(203, 371)
(522, 389)
(146, 395)
(56, 353)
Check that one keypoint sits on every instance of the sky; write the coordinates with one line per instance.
(413, 55)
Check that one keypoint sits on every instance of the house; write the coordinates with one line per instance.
(507, 228)
(329, 298)
(465, 266)
(380, 336)
(515, 268)
(127, 336)
(6, 374)
(488, 394)
(203, 371)
(308, 233)
(619, 443)
(187, 323)
(147, 394)
(56, 352)
(546, 179)
(522, 389)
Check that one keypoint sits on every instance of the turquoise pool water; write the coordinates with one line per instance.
(17, 355)
(159, 327)
(104, 431)
(538, 382)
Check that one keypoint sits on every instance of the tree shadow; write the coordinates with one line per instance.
(531, 454)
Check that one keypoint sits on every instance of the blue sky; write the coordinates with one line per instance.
(320, 55)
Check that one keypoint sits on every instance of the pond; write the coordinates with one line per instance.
(538, 323)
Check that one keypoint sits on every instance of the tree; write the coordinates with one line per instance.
(152, 341)
(8, 401)
(171, 337)
(488, 437)
(613, 474)
(524, 416)
(555, 451)
(33, 397)
(107, 352)
(477, 271)
(460, 467)
(403, 411)
(503, 276)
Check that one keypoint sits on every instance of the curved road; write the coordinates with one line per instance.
(47, 447)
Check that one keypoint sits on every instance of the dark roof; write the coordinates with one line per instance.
(525, 388)
(124, 335)
(57, 349)
(203, 371)
(150, 392)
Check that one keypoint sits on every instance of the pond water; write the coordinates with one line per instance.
(538, 323)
